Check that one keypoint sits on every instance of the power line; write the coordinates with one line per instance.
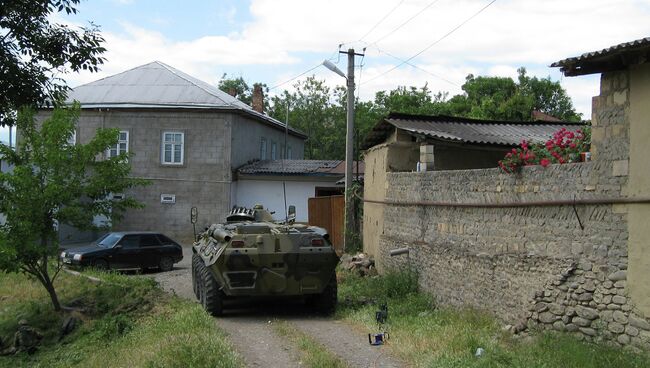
(296, 77)
(381, 20)
(435, 42)
(414, 66)
(407, 21)
(336, 53)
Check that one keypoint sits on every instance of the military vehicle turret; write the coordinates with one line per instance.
(252, 255)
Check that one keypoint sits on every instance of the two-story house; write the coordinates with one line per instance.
(185, 136)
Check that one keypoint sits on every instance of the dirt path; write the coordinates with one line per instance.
(251, 331)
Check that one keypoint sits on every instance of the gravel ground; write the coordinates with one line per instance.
(252, 334)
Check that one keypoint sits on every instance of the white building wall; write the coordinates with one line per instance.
(270, 194)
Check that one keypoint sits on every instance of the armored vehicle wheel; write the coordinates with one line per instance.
(325, 302)
(166, 264)
(211, 296)
(195, 283)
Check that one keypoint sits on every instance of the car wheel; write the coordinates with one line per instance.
(100, 264)
(325, 302)
(211, 294)
(166, 264)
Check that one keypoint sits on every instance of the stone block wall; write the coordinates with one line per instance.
(550, 267)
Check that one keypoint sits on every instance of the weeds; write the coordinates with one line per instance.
(314, 355)
(425, 335)
(126, 322)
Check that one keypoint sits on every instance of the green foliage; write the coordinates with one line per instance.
(423, 335)
(54, 182)
(320, 111)
(35, 50)
(238, 88)
(356, 290)
(127, 321)
(564, 147)
(501, 98)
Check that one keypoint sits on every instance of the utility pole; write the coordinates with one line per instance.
(349, 154)
(349, 144)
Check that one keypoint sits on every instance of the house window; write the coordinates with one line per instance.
(172, 148)
(289, 153)
(122, 145)
(274, 151)
(263, 149)
(168, 198)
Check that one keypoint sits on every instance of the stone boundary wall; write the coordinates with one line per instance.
(529, 266)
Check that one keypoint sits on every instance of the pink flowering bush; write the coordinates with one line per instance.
(564, 147)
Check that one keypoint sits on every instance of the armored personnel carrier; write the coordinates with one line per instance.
(252, 255)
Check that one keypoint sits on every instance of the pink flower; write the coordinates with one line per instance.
(544, 162)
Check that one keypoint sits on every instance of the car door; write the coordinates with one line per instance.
(168, 247)
(128, 254)
(151, 249)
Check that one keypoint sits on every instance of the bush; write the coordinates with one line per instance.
(565, 146)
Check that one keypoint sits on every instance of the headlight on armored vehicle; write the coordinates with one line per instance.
(77, 257)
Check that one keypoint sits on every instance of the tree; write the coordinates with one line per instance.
(547, 96)
(35, 51)
(54, 182)
(319, 112)
(501, 98)
(239, 89)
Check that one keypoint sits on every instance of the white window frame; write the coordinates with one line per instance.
(168, 198)
(274, 151)
(163, 144)
(116, 147)
(263, 149)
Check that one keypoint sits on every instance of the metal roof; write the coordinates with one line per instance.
(157, 85)
(292, 167)
(464, 130)
(615, 57)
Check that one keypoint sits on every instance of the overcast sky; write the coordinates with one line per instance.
(272, 41)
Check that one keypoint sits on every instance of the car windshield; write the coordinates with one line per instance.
(109, 240)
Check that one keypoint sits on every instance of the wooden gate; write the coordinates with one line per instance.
(329, 212)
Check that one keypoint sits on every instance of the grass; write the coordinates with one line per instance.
(127, 322)
(424, 335)
(314, 355)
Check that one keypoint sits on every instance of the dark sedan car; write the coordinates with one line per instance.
(126, 250)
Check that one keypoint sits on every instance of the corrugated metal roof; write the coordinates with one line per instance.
(463, 130)
(607, 59)
(291, 167)
(157, 85)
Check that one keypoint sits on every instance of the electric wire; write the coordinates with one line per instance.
(381, 20)
(296, 77)
(434, 43)
(414, 65)
(336, 53)
(406, 22)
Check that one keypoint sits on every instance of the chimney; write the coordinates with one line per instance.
(258, 98)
